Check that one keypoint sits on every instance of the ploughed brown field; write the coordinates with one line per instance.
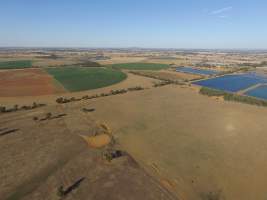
(27, 82)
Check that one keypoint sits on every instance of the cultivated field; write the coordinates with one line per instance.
(78, 79)
(131, 81)
(27, 82)
(18, 64)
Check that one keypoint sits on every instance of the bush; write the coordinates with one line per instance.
(2, 109)
(85, 97)
(163, 83)
(26, 107)
(211, 92)
(59, 100)
(16, 107)
(34, 105)
(62, 100)
(48, 115)
(135, 88)
(60, 191)
(245, 99)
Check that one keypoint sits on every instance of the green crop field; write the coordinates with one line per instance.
(140, 66)
(17, 64)
(79, 79)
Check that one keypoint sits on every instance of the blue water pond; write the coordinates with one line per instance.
(233, 83)
(196, 71)
(259, 92)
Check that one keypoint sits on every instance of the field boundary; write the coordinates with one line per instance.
(227, 96)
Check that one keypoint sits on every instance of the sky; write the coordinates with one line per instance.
(207, 24)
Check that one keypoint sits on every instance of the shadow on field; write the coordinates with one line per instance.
(63, 193)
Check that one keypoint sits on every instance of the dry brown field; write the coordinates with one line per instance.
(204, 148)
(43, 155)
(27, 82)
(195, 147)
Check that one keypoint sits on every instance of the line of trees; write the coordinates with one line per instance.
(62, 100)
(233, 97)
(5, 109)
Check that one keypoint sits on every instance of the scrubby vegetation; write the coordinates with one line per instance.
(262, 64)
(111, 154)
(48, 116)
(135, 88)
(233, 97)
(212, 196)
(17, 64)
(62, 100)
(78, 64)
(211, 92)
(88, 64)
(157, 77)
(79, 79)
(162, 83)
(5, 109)
(140, 66)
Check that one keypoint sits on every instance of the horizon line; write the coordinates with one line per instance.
(145, 48)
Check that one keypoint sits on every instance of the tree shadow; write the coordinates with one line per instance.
(8, 132)
(64, 192)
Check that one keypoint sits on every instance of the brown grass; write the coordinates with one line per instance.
(203, 144)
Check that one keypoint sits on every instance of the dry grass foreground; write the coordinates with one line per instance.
(206, 149)
(49, 160)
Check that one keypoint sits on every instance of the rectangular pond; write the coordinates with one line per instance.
(196, 71)
(259, 92)
(233, 83)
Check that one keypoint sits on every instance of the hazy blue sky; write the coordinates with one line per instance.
(134, 23)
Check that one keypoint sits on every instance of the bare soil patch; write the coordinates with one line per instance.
(27, 82)
(97, 141)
